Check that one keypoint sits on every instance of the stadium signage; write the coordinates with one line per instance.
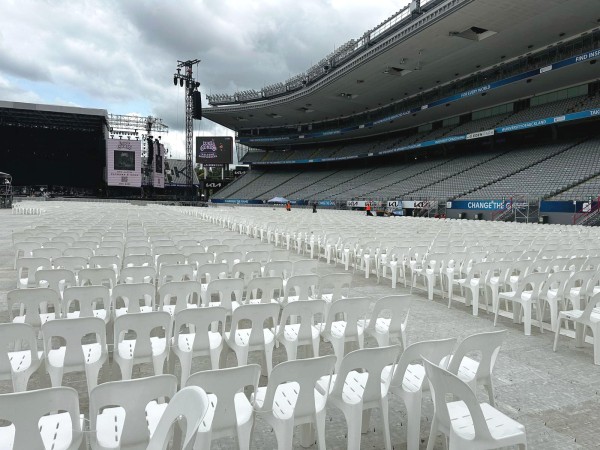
(237, 201)
(480, 205)
(480, 134)
(326, 203)
(419, 204)
(394, 203)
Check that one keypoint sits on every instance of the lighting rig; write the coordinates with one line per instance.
(193, 110)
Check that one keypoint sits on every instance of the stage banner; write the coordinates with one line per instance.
(123, 163)
(480, 205)
(158, 166)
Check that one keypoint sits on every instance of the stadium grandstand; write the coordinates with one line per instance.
(445, 101)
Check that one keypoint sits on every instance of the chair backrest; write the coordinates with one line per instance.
(55, 278)
(87, 299)
(199, 321)
(105, 261)
(73, 263)
(169, 259)
(307, 313)
(304, 372)
(280, 268)
(142, 324)
(31, 299)
(265, 289)
(137, 274)
(434, 350)
(257, 314)
(225, 384)
(278, 255)
(225, 288)
(133, 396)
(211, 272)
(532, 282)
(487, 345)
(138, 260)
(132, 294)
(46, 252)
(393, 307)
(303, 286)
(11, 335)
(581, 278)
(371, 360)
(105, 250)
(200, 258)
(260, 256)
(444, 383)
(72, 331)
(304, 267)
(230, 258)
(38, 404)
(246, 270)
(336, 284)
(590, 307)
(175, 272)
(186, 293)
(352, 310)
(83, 252)
(217, 248)
(99, 276)
(190, 403)
(556, 280)
(31, 265)
(208, 242)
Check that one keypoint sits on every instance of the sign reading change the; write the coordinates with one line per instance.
(123, 163)
(214, 149)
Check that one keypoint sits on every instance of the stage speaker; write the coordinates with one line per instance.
(150, 151)
(197, 105)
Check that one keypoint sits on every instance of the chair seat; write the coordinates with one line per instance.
(243, 411)
(338, 329)
(171, 308)
(21, 360)
(353, 387)
(242, 336)
(290, 332)
(500, 425)
(413, 377)
(99, 313)
(43, 318)
(109, 423)
(91, 352)
(186, 341)
(285, 398)
(55, 429)
(126, 348)
(382, 325)
(467, 370)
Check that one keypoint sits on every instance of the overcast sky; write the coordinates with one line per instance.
(120, 55)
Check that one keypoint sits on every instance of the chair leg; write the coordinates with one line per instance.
(432, 434)
(244, 435)
(284, 432)
(320, 426)
(413, 422)
(527, 318)
(557, 333)
(489, 387)
(353, 416)
(386, 423)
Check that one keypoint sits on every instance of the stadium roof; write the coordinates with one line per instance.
(52, 116)
(460, 37)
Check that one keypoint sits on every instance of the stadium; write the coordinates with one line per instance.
(407, 256)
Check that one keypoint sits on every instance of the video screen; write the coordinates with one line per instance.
(123, 163)
(214, 149)
(124, 160)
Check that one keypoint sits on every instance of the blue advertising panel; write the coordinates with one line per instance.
(480, 205)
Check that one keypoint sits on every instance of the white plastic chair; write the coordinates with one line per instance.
(228, 290)
(230, 413)
(552, 293)
(138, 260)
(137, 274)
(55, 279)
(36, 424)
(292, 397)
(359, 386)
(144, 347)
(98, 277)
(192, 337)
(33, 306)
(186, 293)
(307, 332)
(264, 290)
(74, 356)
(17, 361)
(280, 268)
(259, 337)
(121, 412)
(333, 287)
(86, 299)
(26, 269)
(81, 252)
(175, 272)
(589, 317)
(467, 423)
(525, 295)
(477, 371)
(389, 319)
(304, 267)
(408, 381)
(345, 324)
(191, 404)
(24, 250)
(304, 287)
(136, 297)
